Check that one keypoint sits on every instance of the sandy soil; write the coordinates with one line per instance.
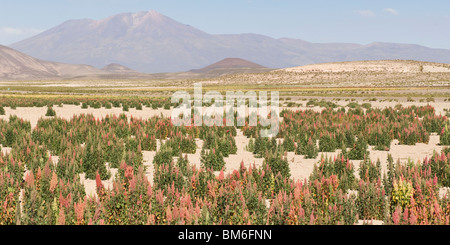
(234, 161)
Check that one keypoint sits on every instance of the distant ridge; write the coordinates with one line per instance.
(153, 43)
(17, 66)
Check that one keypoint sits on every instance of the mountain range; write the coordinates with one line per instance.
(153, 43)
(15, 66)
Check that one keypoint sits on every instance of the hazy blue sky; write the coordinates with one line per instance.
(356, 21)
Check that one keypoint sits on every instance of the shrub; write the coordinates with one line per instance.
(353, 105)
(413, 134)
(130, 201)
(359, 150)
(50, 112)
(148, 143)
(369, 171)
(445, 136)
(371, 200)
(69, 163)
(212, 159)
(96, 105)
(366, 105)
(134, 159)
(163, 156)
(116, 103)
(251, 145)
(402, 193)
(9, 192)
(113, 151)
(388, 178)
(93, 161)
(32, 154)
(183, 165)
(13, 131)
(264, 145)
(438, 165)
(309, 149)
(340, 166)
(167, 175)
(349, 139)
(131, 143)
(379, 138)
(278, 164)
(181, 144)
(288, 144)
(430, 99)
(188, 145)
(327, 143)
(433, 123)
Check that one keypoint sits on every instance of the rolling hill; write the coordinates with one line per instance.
(118, 68)
(231, 66)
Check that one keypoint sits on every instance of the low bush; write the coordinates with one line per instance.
(212, 159)
(359, 150)
(50, 112)
(308, 148)
(445, 136)
(340, 166)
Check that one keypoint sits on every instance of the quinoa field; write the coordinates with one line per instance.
(119, 160)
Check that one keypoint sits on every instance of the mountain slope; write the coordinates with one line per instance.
(152, 42)
(15, 65)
